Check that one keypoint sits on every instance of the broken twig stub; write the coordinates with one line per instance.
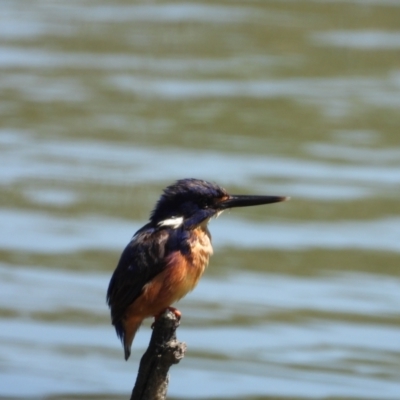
(163, 351)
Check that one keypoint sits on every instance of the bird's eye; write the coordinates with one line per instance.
(205, 205)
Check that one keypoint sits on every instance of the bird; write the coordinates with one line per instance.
(167, 256)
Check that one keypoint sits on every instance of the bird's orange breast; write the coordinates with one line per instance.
(180, 276)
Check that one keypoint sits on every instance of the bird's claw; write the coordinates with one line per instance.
(174, 310)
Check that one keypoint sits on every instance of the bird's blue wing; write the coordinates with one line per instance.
(142, 259)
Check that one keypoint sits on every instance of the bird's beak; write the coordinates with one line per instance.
(245, 201)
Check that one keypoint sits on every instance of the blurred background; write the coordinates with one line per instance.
(104, 103)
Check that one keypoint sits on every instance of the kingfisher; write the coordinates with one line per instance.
(166, 257)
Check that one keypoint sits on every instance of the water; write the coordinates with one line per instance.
(104, 104)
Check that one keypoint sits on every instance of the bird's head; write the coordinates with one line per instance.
(192, 202)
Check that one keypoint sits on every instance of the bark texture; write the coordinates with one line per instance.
(164, 350)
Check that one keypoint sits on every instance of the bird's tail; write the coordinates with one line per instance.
(126, 330)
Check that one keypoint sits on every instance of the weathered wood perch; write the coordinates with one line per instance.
(164, 350)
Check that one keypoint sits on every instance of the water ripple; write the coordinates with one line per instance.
(270, 351)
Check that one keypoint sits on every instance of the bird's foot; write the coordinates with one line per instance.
(174, 310)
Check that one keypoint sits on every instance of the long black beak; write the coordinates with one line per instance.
(245, 201)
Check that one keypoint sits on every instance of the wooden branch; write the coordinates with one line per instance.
(163, 351)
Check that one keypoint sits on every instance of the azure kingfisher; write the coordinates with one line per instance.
(166, 257)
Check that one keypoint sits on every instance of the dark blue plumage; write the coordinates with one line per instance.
(194, 199)
(167, 256)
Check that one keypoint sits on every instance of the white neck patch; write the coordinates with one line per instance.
(218, 213)
(173, 222)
